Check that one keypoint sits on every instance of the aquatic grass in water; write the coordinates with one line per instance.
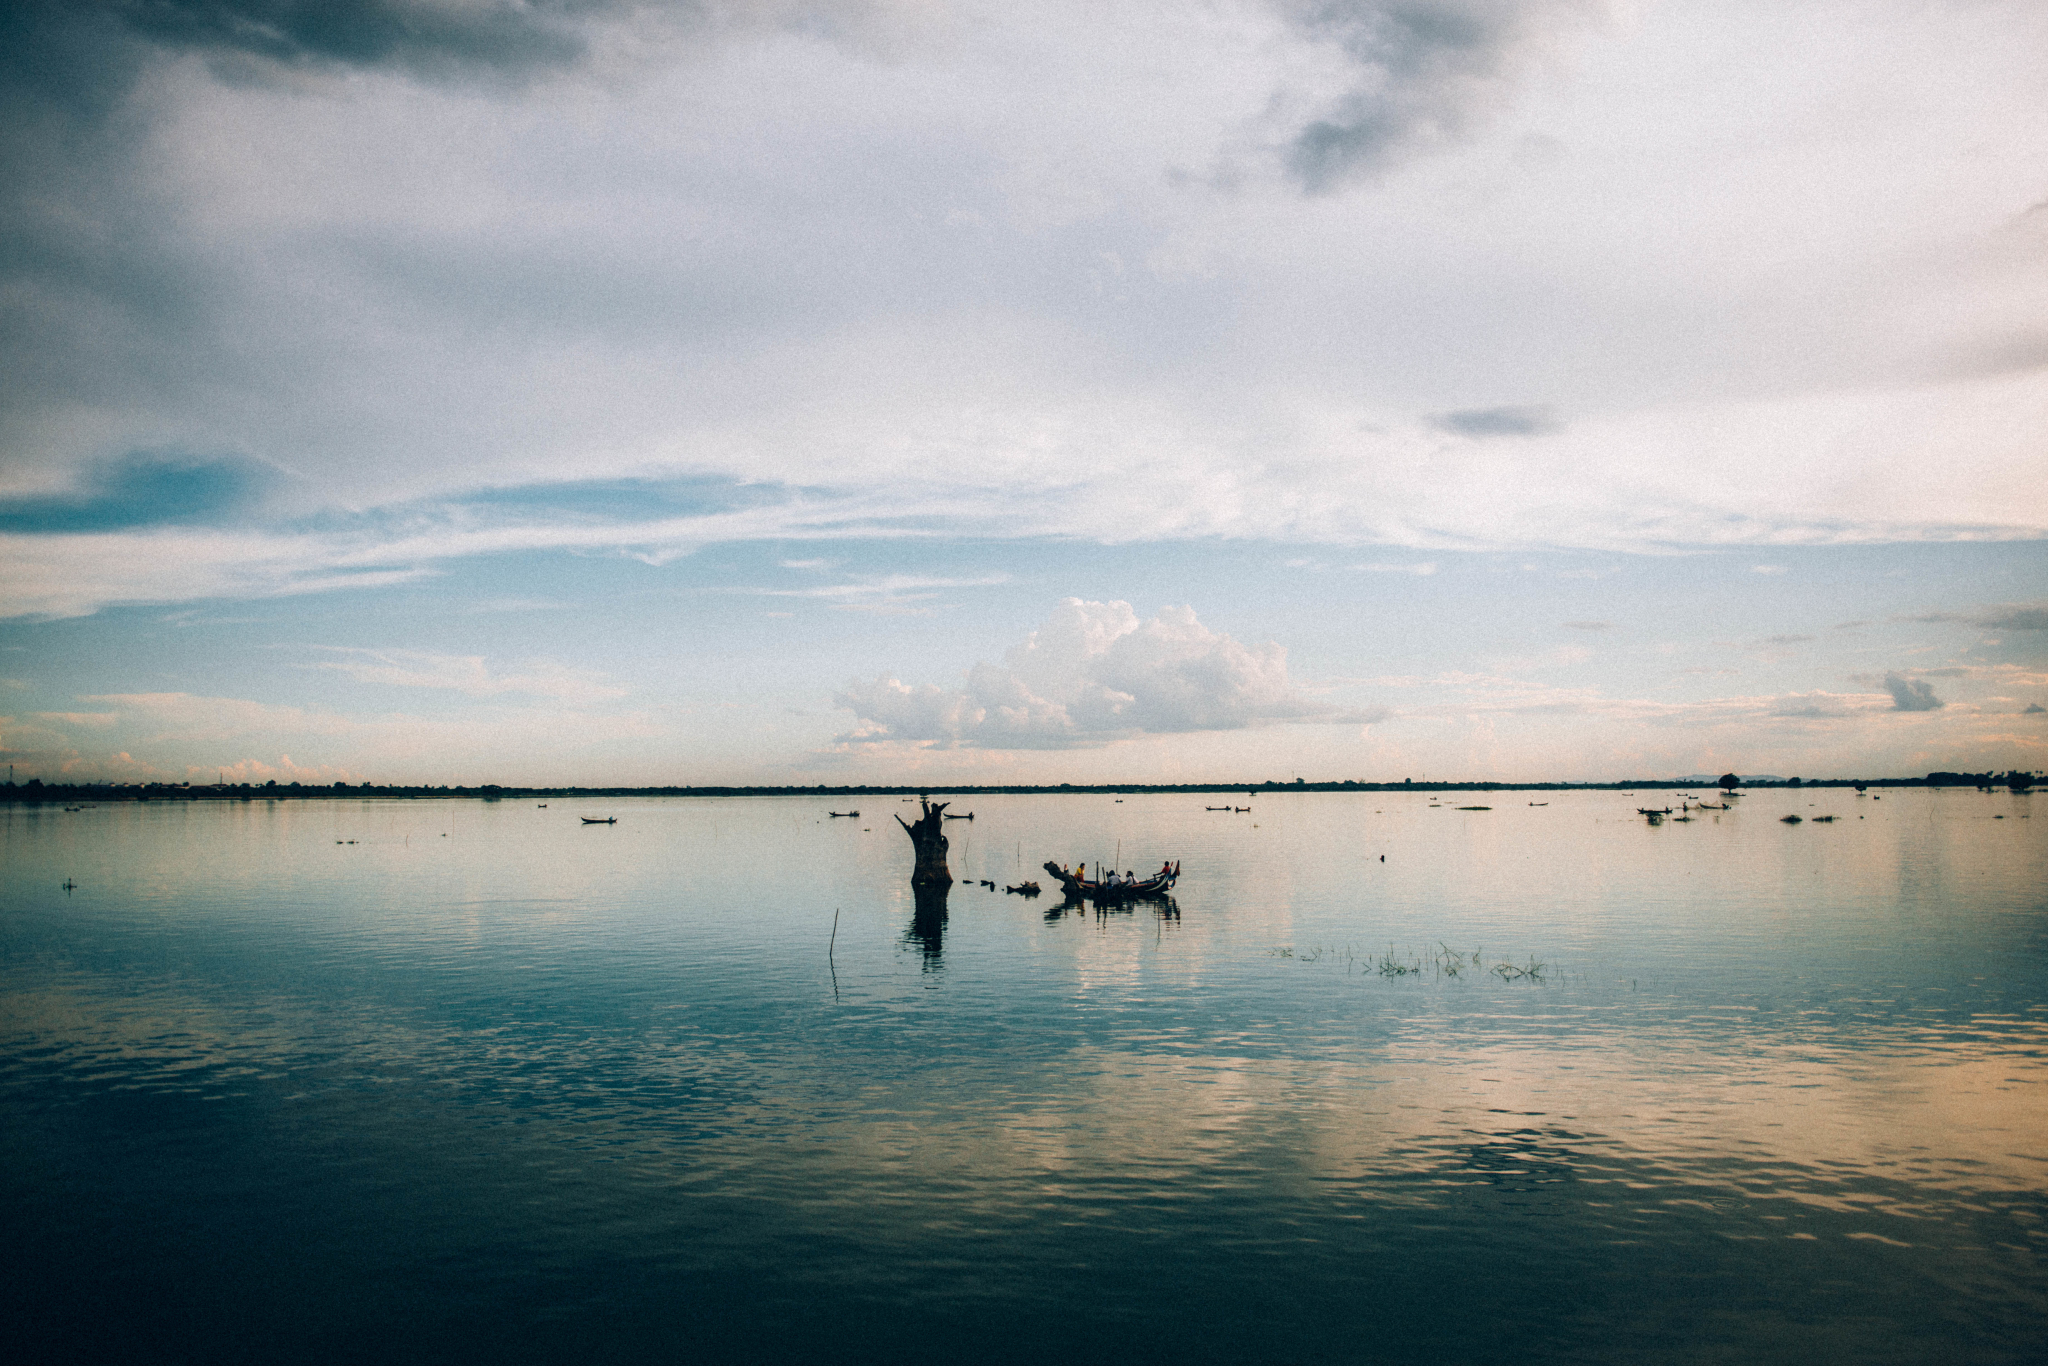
(1444, 962)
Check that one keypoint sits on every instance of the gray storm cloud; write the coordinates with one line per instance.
(1427, 73)
(1091, 674)
(1910, 695)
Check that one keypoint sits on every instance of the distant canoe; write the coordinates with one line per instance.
(842, 813)
(600, 820)
(968, 817)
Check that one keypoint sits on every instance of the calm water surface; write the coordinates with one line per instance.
(472, 1081)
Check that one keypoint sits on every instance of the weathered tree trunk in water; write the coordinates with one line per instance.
(928, 838)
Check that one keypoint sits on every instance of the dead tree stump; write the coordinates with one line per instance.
(927, 837)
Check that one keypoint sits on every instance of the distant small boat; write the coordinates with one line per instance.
(600, 820)
(968, 817)
(1217, 808)
(1539, 803)
(1243, 810)
(543, 806)
(1648, 811)
(842, 813)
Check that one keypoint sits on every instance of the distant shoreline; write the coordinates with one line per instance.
(35, 792)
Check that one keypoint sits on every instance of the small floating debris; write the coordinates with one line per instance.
(1023, 889)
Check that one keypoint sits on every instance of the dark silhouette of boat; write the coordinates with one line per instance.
(1079, 889)
(1023, 889)
(842, 813)
(968, 817)
(1217, 808)
(600, 820)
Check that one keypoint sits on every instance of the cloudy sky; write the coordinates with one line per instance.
(937, 390)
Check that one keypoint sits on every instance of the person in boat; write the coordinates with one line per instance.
(1165, 869)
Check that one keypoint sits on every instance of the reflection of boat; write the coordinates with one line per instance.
(842, 813)
(600, 820)
(1080, 888)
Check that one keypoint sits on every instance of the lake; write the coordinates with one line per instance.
(1387, 1080)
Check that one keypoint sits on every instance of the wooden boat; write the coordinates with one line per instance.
(1078, 889)
(842, 813)
(968, 817)
(600, 820)
(1650, 811)
(1216, 808)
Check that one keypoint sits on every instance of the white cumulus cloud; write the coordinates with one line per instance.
(1091, 674)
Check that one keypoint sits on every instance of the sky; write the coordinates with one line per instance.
(929, 391)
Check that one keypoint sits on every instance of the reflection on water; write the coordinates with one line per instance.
(480, 1086)
(928, 921)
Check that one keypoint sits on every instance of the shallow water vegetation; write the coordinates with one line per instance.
(1438, 964)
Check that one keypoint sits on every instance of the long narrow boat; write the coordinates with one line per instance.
(1079, 889)
(600, 820)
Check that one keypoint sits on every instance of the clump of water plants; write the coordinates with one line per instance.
(1441, 963)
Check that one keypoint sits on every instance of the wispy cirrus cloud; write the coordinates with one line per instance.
(470, 675)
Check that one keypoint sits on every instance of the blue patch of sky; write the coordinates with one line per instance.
(744, 622)
(143, 489)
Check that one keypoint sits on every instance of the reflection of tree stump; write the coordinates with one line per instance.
(928, 921)
(928, 838)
